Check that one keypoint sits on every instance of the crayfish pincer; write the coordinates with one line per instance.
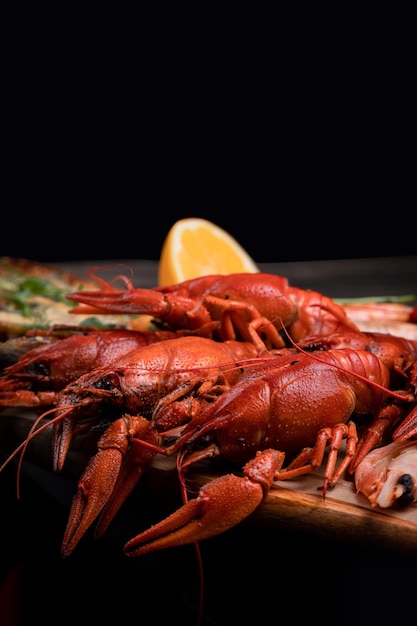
(220, 505)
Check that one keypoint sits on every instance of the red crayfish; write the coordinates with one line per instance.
(250, 307)
(36, 377)
(142, 381)
(277, 406)
(241, 392)
(287, 405)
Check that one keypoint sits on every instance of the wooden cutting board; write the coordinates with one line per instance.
(344, 514)
(296, 504)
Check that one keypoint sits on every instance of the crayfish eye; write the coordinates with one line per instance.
(39, 368)
(108, 382)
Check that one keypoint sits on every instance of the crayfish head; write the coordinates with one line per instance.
(78, 409)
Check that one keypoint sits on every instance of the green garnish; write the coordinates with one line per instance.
(18, 292)
(96, 323)
(407, 299)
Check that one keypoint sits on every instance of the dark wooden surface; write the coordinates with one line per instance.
(252, 573)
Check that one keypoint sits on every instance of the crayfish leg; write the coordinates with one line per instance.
(310, 459)
(408, 427)
(391, 413)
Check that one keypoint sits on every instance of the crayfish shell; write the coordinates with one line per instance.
(388, 475)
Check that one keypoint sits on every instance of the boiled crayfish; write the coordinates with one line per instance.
(180, 372)
(236, 387)
(251, 307)
(36, 377)
(278, 406)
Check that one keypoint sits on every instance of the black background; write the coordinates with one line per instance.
(67, 216)
(83, 180)
(301, 151)
(139, 233)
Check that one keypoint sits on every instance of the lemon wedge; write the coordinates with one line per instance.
(196, 247)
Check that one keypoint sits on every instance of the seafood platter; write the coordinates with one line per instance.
(259, 399)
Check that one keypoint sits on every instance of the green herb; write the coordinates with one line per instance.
(408, 299)
(96, 323)
(19, 292)
(40, 287)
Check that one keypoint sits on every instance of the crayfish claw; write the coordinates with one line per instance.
(109, 477)
(135, 463)
(94, 489)
(220, 505)
(217, 508)
(182, 526)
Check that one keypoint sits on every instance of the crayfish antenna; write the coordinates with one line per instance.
(21, 449)
(104, 283)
